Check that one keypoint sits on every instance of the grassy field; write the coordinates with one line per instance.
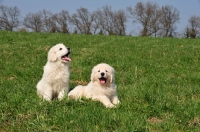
(158, 81)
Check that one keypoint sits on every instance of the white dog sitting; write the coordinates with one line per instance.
(101, 87)
(55, 79)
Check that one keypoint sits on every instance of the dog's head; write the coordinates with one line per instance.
(103, 74)
(59, 52)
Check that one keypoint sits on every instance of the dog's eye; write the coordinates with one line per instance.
(106, 71)
(60, 49)
(98, 70)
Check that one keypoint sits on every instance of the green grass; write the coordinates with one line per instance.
(158, 81)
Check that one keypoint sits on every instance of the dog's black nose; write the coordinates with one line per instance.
(102, 74)
(68, 49)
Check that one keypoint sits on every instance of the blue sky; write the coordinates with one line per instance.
(186, 8)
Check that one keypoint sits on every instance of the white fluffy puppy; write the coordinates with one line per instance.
(101, 87)
(55, 79)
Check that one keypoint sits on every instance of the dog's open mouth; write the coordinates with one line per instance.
(66, 57)
(102, 80)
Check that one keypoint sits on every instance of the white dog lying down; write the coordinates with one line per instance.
(55, 79)
(101, 87)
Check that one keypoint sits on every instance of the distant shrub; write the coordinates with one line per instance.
(22, 30)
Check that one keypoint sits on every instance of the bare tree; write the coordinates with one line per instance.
(186, 32)
(147, 14)
(46, 19)
(9, 18)
(34, 21)
(107, 20)
(83, 21)
(110, 22)
(169, 17)
(54, 24)
(64, 21)
(155, 25)
(194, 26)
(98, 20)
(120, 19)
(96, 25)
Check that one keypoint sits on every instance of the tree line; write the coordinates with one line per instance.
(155, 21)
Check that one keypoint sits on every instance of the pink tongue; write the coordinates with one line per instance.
(66, 58)
(102, 81)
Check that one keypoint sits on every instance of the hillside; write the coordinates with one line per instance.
(158, 83)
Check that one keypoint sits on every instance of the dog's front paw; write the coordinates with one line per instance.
(110, 106)
(61, 95)
(116, 101)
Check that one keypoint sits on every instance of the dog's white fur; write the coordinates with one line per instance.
(55, 79)
(102, 91)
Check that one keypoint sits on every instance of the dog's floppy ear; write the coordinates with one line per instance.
(112, 79)
(92, 77)
(52, 55)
